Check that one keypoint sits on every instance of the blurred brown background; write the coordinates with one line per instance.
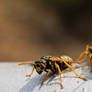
(30, 29)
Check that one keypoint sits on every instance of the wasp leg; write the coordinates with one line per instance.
(90, 62)
(60, 74)
(45, 77)
(87, 47)
(29, 75)
(83, 54)
(24, 63)
(79, 76)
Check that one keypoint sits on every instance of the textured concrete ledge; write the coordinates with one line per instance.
(12, 79)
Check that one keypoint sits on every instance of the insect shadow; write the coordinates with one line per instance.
(36, 82)
(31, 84)
(86, 72)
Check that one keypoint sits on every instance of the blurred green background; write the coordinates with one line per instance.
(30, 29)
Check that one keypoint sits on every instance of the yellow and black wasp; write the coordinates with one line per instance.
(54, 65)
(85, 54)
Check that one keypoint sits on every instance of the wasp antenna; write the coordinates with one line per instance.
(24, 63)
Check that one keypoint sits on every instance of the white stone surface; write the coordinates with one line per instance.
(13, 79)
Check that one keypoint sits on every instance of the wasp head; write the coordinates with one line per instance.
(39, 66)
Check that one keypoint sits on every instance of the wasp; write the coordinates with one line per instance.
(54, 65)
(86, 54)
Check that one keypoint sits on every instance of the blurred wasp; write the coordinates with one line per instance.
(87, 53)
(54, 65)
